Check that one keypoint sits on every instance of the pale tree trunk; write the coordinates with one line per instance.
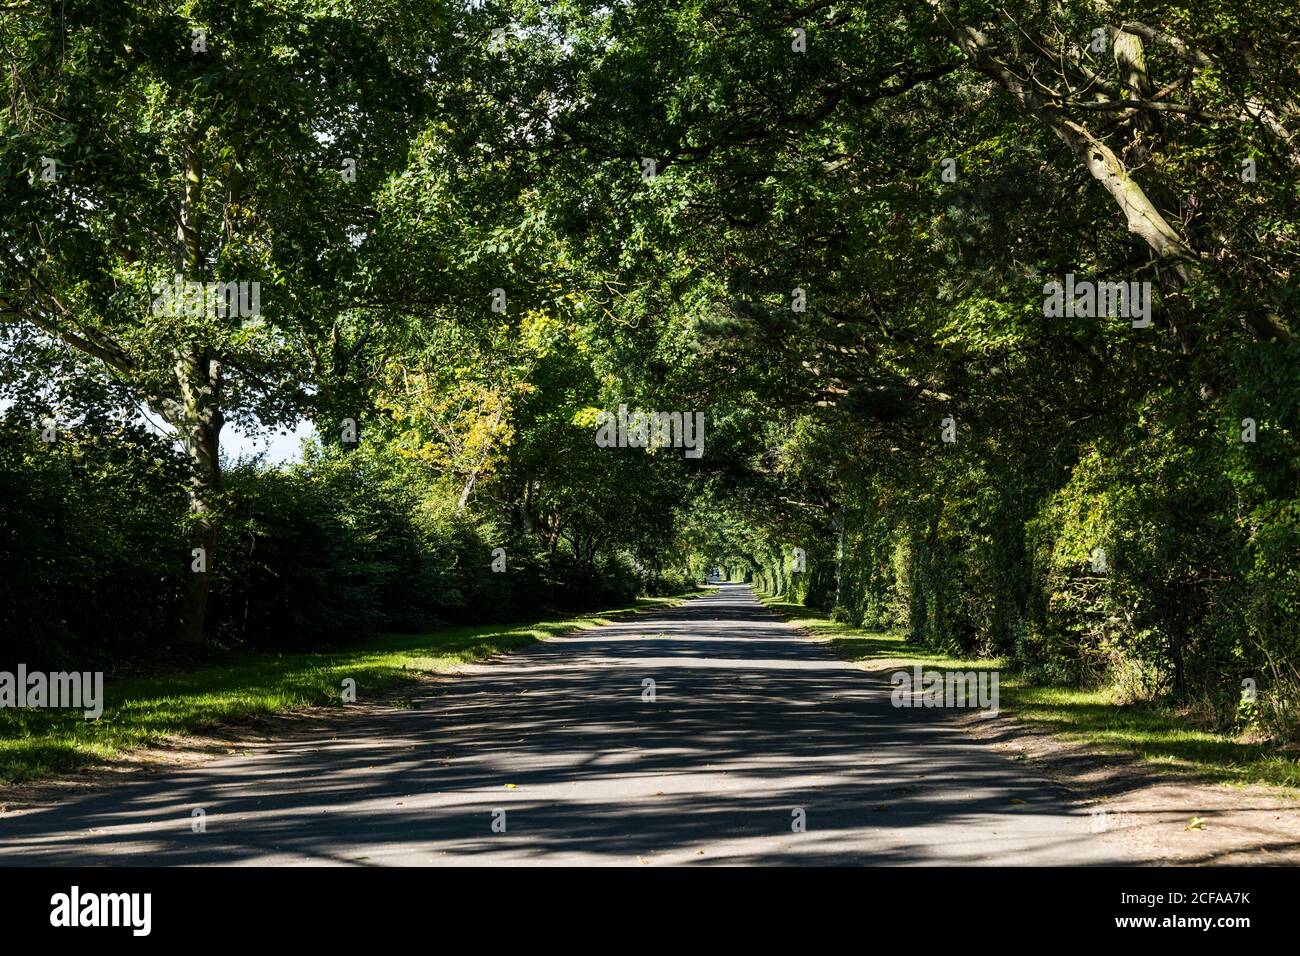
(526, 508)
(477, 469)
(1142, 217)
(1170, 251)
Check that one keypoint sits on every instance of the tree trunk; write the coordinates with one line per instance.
(477, 468)
(199, 378)
(1144, 220)
(198, 417)
(1141, 215)
(840, 523)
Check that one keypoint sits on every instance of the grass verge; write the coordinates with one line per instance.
(141, 712)
(1157, 735)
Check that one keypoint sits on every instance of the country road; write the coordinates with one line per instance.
(751, 721)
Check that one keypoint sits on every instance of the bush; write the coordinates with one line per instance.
(93, 553)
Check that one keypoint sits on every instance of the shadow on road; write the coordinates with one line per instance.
(750, 724)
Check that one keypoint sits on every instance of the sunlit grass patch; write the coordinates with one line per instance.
(1158, 735)
(144, 711)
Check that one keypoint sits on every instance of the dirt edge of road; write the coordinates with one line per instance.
(1165, 815)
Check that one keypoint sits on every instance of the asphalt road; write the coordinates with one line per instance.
(750, 723)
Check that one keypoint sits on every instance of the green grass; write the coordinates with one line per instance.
(1157, 735)
(140, 712)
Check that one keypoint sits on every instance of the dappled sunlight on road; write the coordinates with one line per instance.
(750, 724)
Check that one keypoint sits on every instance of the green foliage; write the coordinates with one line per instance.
(775, 170)
(90, 540)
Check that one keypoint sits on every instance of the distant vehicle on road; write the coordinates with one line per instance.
(715, 576)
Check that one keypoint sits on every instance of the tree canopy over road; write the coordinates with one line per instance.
(452, 235)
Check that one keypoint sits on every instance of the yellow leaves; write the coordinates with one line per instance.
(541, 333)
(451, 418)
(586, 417)
(428, 453)
(1197, 823)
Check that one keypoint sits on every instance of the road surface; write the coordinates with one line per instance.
(751, 723)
